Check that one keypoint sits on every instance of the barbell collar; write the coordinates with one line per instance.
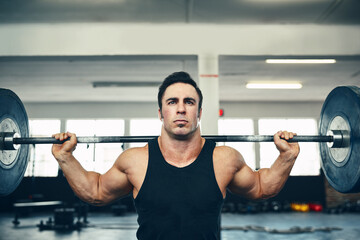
(7, 141)
(341, 138)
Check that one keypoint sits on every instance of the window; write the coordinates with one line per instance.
(41, 161)
(97, 157)
(239, 127)
(308, 161)
(144, 127)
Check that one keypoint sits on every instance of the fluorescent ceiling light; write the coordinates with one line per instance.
(125, 84)
(300, 61)
(274, 85)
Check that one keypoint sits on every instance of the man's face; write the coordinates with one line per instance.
(180, 110)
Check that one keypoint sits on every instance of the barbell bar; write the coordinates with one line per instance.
(338, 139)
(9, 141)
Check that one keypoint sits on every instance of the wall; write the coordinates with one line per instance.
(92, 110)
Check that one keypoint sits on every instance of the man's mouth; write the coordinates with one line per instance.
(180, 121)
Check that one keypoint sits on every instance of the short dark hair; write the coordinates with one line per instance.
(176, 77)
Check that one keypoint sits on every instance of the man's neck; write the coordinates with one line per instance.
(181, 153)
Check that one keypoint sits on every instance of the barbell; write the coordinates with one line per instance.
(338, 138)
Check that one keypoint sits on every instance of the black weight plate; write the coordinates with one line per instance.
(12, 108)
(344, 102)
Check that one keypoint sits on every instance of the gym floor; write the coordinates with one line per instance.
(107, 226)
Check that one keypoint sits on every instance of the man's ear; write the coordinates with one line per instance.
(160, 115)
(200, 113)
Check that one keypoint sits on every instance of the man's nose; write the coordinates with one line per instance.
(181, 108)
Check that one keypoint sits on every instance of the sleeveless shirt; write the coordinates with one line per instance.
(179, 203)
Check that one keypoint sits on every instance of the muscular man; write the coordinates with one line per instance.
(178, 180)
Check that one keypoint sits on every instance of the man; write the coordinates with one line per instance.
(178, 180)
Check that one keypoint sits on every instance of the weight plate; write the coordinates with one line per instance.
(14, 118)
(342, 166)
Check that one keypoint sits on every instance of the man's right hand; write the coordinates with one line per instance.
(63, 151)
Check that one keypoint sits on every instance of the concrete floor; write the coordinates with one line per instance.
(107, 226)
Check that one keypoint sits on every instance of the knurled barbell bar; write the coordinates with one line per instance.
(338, 139)
(12, 140)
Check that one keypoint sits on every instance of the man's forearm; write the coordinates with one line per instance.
(273, 179)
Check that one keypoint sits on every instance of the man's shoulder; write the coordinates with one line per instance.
(225, 150)
(227, 154)
(133, 155)
(136, 152)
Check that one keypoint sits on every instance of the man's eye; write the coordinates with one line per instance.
(190, 102)
(171, 102)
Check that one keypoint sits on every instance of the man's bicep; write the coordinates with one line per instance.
(115, 183)
(245, 182)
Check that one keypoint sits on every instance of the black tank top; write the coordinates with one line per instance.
(179, 203)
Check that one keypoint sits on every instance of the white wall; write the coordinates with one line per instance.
(271, 109)
(92, 110)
